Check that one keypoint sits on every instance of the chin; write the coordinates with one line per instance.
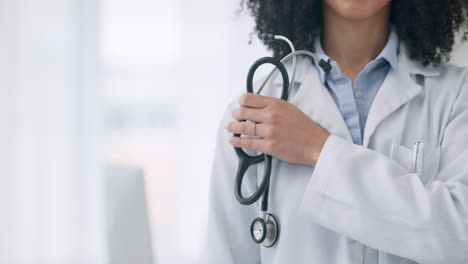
(357, 9)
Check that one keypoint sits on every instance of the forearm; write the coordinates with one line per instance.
(368, 197)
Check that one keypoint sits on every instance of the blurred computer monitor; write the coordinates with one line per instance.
(128, 229)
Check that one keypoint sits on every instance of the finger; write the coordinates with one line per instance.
(256, 144)
(243, 128)
(254, 100)
(248, 113)
(246, 128)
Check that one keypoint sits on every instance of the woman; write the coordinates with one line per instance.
(343, 185)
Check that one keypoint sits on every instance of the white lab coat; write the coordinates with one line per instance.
(360, 204)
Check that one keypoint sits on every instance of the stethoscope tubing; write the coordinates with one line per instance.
(269, 223)
(246, 160)
(322, 63)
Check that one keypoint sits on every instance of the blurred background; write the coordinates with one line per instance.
(86, 84)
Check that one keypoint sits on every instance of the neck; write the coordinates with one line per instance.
(354, 43)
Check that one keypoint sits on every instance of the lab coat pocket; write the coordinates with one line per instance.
(430, 161)
(431, 164)
(402, 155)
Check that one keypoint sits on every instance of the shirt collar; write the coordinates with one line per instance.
(389, 53)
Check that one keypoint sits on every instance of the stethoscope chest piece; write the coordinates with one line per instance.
(264, 230)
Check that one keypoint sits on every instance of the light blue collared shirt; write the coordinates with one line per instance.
(354, 100)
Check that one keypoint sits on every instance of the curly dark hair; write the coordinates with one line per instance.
(427, 27)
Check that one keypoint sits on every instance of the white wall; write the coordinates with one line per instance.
(7, 124)
(460, 54)
(50, 153)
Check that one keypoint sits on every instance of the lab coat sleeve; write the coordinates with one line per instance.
(228, 238)
(368, 197)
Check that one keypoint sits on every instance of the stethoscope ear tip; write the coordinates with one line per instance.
(266, 37)
(325, 65)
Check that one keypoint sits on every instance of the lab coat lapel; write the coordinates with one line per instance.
(314, 99)
(398, 88)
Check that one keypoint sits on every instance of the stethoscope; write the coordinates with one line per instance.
(265, 230)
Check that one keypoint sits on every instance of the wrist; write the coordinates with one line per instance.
(317, 147)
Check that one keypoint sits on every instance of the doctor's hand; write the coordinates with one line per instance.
(283, 130)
